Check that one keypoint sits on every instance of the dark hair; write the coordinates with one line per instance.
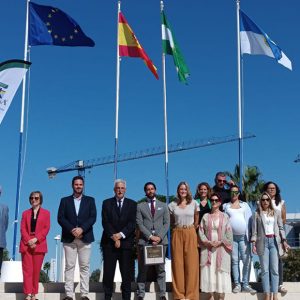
(40, 195)
(78, 177)
(277, 195)
(237, 187)
(216, 195)
(149, 183)
(197, 195)
(219, 174)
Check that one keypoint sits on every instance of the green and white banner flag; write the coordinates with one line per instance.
(11, 75)
(170, 47)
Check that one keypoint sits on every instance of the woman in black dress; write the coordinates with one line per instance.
(202, 196)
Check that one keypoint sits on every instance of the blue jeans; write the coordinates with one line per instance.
(269, 266)
(241, 250)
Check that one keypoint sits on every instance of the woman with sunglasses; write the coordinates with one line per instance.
(279, 204)
(269, 242)
(184, 214)
(240, 214)
(35, 225)
(216, 245)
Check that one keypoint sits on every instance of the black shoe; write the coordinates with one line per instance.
(67, 298)
(163, 298)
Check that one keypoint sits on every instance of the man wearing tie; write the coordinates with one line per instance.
(117, 243)
(76, 215)
(153, 221)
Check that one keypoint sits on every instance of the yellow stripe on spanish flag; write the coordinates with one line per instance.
(130, 46)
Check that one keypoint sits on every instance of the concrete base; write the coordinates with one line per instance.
(11, 271)
(55, 291)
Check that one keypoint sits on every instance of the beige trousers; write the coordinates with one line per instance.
(77, 247)
(185, 264)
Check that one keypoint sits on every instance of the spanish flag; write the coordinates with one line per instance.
(130, 46)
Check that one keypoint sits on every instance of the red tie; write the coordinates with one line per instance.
(152, 208)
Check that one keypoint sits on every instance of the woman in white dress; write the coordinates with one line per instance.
(216, 245)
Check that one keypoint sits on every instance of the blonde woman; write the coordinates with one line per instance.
(269, 242)
(279, 204)
(185, 259)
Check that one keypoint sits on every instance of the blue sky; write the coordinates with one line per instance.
(72, 101)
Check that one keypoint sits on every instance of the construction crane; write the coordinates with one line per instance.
(297, 159)
(81, 165)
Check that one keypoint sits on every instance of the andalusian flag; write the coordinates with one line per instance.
(130, 46)
(11, 75)
(170, 47)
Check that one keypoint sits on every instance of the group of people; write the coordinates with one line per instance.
(214, 229)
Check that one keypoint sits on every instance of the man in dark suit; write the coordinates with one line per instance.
(76, 215)
(118, 221)
(153, 222)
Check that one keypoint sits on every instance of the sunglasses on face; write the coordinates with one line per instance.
(34, 198)
(234, 192)
(221, 181)
(265, 199)
(214, 200)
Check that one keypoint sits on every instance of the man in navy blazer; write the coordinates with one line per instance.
(3, 228)
(118, 221)
(76, 215)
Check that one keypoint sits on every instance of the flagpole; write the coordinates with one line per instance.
(117, 97)
(166, 129)
(240, 117)
(19, 179)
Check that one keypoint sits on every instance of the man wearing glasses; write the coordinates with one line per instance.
(220, 186)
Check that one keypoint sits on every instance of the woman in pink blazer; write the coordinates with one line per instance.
(35, 225)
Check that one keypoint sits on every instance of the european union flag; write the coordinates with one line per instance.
(51, 26)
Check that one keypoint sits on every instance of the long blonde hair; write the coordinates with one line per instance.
(189, 196)
(271, 210)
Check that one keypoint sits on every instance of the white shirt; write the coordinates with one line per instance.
(122, 201)
(279, 206)
(149, 202)
(237, 220)
(77, 202)
(269, 224)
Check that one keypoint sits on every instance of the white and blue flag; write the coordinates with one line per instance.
(256, 41)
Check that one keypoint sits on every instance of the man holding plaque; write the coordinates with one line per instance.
(153, 221)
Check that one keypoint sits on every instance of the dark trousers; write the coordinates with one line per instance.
(142, 275)
(1, 258)
(126, 263)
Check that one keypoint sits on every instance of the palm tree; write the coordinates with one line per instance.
(252, 182)
(5, 255)
(46, 268)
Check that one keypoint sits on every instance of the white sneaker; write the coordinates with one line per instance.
(237, 288)
(282, 289)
